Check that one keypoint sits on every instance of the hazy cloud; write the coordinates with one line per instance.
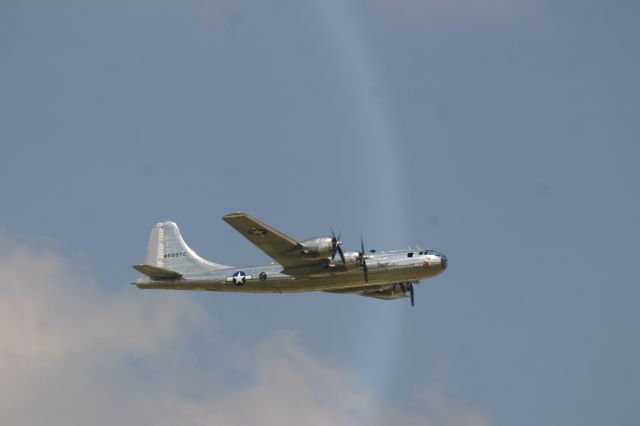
(290, 386)
(67, 347)
(74, 353)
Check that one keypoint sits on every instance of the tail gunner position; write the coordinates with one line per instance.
(316, 264)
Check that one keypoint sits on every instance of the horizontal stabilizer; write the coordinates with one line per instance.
(157, 273)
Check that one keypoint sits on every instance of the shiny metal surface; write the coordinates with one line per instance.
(301, 266)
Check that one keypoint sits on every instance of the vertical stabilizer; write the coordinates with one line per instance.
(168, 250)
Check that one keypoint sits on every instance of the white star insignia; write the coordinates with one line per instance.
(238, 278)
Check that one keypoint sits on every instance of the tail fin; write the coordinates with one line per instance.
(168, 251)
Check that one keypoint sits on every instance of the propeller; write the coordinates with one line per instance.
(411, 294)
(336, 247)
(363, 261)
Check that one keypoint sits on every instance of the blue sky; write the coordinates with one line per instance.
(500, 132)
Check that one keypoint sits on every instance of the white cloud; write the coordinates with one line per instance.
(70, 353)
(290, 386)
(431, 406)
(64, 341)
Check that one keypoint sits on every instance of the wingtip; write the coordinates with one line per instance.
(233, 215)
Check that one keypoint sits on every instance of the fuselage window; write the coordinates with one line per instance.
(410, 254)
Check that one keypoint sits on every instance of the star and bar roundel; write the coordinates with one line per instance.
(239, 278)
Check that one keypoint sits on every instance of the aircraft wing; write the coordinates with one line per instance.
(383, 296)
(274, 243)
(387, 292)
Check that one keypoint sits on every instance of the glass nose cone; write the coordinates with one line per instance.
(443, 262)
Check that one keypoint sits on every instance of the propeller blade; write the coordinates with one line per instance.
(335, 247)
(363, 260)
(341, 255)
(411, 294)
(334, 244)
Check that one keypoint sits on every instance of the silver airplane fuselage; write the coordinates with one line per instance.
(384, 268)
(309, 265)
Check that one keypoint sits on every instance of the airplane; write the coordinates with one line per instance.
(309, 265)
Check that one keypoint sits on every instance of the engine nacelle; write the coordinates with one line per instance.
(352, 257)
(317, 248)
(394, 291)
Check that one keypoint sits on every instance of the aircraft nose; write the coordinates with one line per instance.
(443, 262)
